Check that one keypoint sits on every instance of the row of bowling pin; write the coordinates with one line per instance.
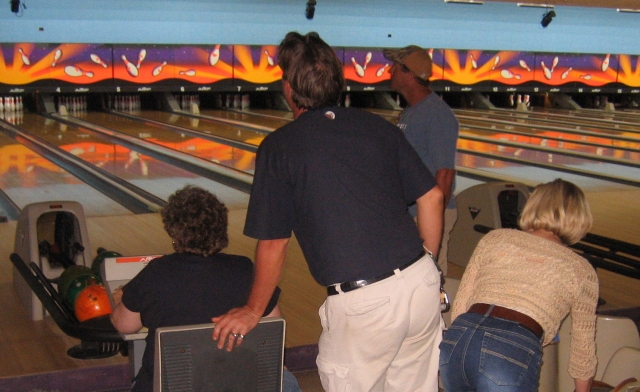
(73, 103)
(124, 102)
(185, 100)
(12, 117)
(237, 101)
(11, 104)
(519, 99)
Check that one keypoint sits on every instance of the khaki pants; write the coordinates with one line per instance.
(385, 336)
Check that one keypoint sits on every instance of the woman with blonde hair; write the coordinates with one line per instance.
(514, 294)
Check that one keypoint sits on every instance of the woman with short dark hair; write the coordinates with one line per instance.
(190, 286)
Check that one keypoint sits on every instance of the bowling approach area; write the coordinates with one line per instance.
(47, 352)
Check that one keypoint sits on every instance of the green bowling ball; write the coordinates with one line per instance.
(70, 274)
(77, 285)
(99, 259)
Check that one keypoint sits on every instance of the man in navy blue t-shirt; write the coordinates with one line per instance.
(340, 179)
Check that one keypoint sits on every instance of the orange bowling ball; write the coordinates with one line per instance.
(93, 301)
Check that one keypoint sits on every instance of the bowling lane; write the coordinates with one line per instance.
(546, 135)
(543, 136)
(27, 177)
(599, 125)
(154, 176)
(250, 116)
(206, 126)
(544, 155)
(614, 171)
(527, 174)
(600, 114)
(283, 114)
(229, 156)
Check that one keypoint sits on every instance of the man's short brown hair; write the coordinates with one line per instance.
(312, 69)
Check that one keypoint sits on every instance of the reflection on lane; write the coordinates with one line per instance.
(211, 151)
(26, 177)
(600, 146)
(154, 176)
(531, 155)
(532, 174)
(629, 116)
(263, 118)
(206, 126)
(599, 125)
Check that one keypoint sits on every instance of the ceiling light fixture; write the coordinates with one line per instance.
(534, 5)
(547, 18)
(477, 2)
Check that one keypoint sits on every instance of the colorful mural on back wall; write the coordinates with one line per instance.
(107, 68)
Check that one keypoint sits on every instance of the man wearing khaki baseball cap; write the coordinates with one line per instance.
(430, 126)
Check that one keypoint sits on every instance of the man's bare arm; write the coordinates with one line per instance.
(444, 178)
(269, 262)
(430, 218)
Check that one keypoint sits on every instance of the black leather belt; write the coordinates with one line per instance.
(356, 284)
(509, 314)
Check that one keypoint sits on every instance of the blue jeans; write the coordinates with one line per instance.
(289, 382)
(489, 354)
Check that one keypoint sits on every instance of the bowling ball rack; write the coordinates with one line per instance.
(99, 338)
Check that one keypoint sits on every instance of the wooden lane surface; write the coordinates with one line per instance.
(28, 347)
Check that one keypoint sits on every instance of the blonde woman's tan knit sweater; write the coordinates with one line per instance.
(541, 279)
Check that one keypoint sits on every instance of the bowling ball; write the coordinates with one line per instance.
(77, 285)
(99, 259)
(93, 301)
(70, 274)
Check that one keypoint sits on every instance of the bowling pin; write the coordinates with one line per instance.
(96, 59)
(214, 56)
(358, 67)
(381, 70)
(75, 72)
(1, 104)
(156, 71)
(507, 74)
(269, 58)
(566, 73)
(25, 58)
(367, 58)
(131, 68)
(605, 63)
(546, 71)
(431, 53)
(554, 63)
(347, 100)
(585, 77)
(474, 63)
(141, 56)
(56, 56)
(496, 60)
(189, 72)
(524, 65)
